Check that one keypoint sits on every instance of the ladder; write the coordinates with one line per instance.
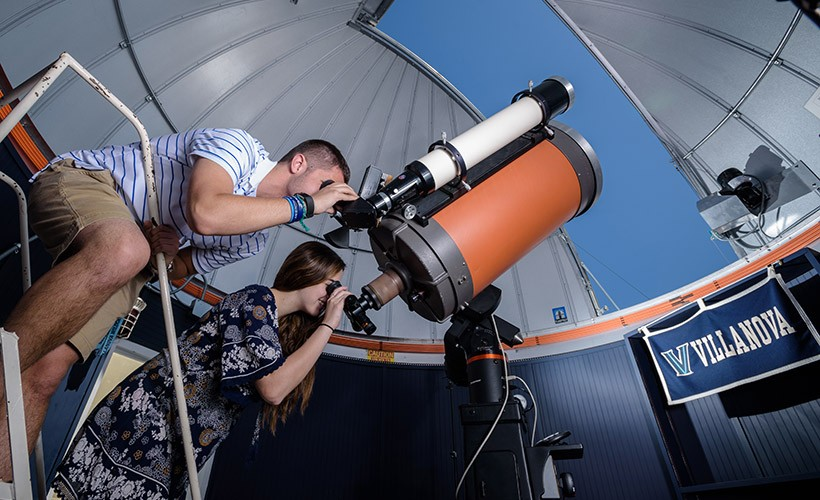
(31, 90)
(20, 487)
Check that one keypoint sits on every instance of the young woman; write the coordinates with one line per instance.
(258, 343)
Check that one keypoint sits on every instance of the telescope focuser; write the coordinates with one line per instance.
(355, 310)
(365, 212)
(375, 294)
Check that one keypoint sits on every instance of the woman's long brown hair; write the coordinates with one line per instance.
(308, 264)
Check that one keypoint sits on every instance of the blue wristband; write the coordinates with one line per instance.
(292, 209)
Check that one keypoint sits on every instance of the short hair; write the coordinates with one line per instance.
(323, 152)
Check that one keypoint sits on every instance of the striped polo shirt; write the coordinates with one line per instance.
(243, 158)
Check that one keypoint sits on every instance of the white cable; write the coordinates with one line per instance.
(498, 417)
(585, 268)
(534, 406)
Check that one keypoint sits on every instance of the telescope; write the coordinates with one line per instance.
(447, 227)
(458, 217)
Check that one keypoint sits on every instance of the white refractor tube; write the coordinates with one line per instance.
(474, 145)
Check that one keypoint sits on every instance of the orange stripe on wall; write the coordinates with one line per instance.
(637, 318)
(195, 290)
(23, 143)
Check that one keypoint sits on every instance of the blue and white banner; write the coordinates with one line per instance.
(754, 334)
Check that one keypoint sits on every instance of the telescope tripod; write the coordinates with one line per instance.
(507, 467)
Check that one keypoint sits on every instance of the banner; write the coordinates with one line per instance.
(756, 333)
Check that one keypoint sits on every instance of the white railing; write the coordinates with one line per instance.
(32, 90)
(20, 487)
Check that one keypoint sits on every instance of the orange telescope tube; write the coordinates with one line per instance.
(446, 260)
(502, 219)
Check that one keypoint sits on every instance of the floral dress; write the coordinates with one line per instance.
(130, 447)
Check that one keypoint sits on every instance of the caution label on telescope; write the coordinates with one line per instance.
(381, 356)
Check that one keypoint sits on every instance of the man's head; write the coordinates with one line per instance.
(312, 162)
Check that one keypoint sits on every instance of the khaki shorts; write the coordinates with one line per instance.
(62, 202)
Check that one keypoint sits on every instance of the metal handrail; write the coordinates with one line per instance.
(21, 476)
(35, 88)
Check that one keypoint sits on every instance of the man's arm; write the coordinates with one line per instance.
(213, 209)
(183, 265)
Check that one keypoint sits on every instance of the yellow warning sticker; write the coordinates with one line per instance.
(381, 356)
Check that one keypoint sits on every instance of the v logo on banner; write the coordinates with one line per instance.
(757, 332)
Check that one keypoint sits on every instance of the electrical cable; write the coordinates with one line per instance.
(174, 292)
(534, 407)
(154, 285)
(611, 270)
(183, 285)
(758, 226)
(755, 226)
(717, 247)
(205, 285)
(500, 412)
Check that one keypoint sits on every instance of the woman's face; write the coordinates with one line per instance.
(314, 297)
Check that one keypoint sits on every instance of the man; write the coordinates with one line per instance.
(218, 193)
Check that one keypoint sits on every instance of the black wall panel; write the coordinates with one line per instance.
(11, 283)
(369, 432)
(389, 431)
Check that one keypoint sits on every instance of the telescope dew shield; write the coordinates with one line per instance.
(530, 109)
(467, 245)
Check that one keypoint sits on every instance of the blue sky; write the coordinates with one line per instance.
(644, 236)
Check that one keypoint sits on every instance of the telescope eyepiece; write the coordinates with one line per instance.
(355, 311)
(332, 286)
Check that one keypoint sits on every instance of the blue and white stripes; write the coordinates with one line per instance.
(234, 150)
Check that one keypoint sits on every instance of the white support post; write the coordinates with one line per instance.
(20, 487)
(15, 414)
(36, 90)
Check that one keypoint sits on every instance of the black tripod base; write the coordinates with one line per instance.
(507, 467)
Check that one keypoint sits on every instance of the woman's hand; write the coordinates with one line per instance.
(334, 307)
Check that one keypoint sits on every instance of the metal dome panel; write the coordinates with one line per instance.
(285, 71)
(722, 84)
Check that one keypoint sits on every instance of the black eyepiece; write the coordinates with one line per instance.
(333, 285)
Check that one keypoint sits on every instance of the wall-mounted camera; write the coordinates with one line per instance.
(771, 200)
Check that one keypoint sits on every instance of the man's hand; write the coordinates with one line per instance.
(330, 195)
(162, 239)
